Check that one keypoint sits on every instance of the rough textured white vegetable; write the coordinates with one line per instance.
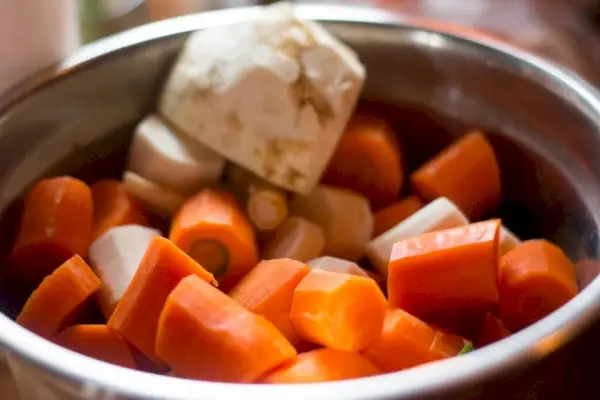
(335, 264)
(115, 257)
(295, 238)
(508, 241)
(345, 217)
(272, 94)
(437, 215)
(163, 156)
(158, 198)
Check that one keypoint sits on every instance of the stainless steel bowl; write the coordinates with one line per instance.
(544, 123)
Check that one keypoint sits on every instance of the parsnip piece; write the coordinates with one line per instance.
(438, 215)
(508, 241)
(266, 204)
(345, 217)
(335, 264)
(115, 257)
(158, 198)
(166, 157)
(272, 94)
(295, 238)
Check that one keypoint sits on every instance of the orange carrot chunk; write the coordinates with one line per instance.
(536, 278)
(214, 231)
(339, 311)
(56, 224)
(136, 315)
(59, 298)
(323, 365)
(367, 160)
(492, 330)
(446, 271)
(203, 334)
(113, 206)
(406, 342)
(267, 290)
(466, 172)
(389, 217)
(97, 341)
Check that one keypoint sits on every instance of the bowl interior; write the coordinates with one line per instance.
(433, 86)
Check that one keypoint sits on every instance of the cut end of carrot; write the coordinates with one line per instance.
(536, 278)
(339, 311)
(60, 296)
(212, 255)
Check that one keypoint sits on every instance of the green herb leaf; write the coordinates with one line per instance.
(468, 347)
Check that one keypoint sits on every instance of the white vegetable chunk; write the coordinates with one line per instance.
(266, 204)
(115, 257)
(345, 217)
(158, 198)
(438, 215)
(339, 265)
(163, 156)
(295, 238)
(272, 94)
(508, 241)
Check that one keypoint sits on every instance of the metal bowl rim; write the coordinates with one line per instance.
(103, 380)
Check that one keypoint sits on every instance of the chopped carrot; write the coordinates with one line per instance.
(446, 271)
(323, 365)
(59, 298)
(339, 311)
(406, 342)
(387, 218)
(162, 268)
(267, 290)
(536, 278)
(367, 160)
(492, 330)
(56, 224)
(214, 231)
(97, 341)
(204, 334)
(466, 172)
(113, 206)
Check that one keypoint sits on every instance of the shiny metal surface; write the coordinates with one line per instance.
(544, 123)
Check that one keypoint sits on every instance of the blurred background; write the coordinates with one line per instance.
(37, 33)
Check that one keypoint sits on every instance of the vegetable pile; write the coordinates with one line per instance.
(310, 256)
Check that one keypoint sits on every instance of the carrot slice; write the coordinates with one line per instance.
(339, 311)
(367, 160)
(466, 172)
(387, 218)
(492, 330)
(113, 206)
(56, 224)
(58, 299)
(162, 268)
(97, 341)
(204, 334)
(214, 231)
(406, 342)
(267, 290)
(536, 278)
(323, 365)
(446, 271)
